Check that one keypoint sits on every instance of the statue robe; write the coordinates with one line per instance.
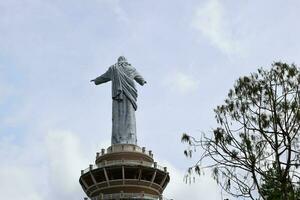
(124, 95)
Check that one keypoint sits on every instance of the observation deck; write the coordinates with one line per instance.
(124, 171)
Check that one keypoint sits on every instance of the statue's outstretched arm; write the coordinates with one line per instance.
(103, 78)
(138, 78)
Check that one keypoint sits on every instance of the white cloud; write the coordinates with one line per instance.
(65, 160)
(213, 23)
(17, 183)
(203, 187)
(18, 178)
(42, 169)
(181, 82)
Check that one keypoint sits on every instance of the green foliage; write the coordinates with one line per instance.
(257, 140)
(271, 187)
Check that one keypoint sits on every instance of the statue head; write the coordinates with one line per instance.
(122, 59)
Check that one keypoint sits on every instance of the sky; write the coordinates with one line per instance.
(53, 120)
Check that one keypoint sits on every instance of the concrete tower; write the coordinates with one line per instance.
(124, 170)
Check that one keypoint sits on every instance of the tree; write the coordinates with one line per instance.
(256, 142)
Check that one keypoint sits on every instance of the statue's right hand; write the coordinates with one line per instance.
(92, 80)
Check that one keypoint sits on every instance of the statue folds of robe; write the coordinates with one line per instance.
(124, 96)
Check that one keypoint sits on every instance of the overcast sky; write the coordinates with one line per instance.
(53, 120)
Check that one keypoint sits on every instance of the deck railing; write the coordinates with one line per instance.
(119, 196)
(125, 147)
(123, 162)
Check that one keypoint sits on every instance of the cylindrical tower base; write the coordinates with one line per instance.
(124, 172)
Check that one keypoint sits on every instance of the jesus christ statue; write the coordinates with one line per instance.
(124, 97)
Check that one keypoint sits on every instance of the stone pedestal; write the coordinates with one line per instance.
(124, 171)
